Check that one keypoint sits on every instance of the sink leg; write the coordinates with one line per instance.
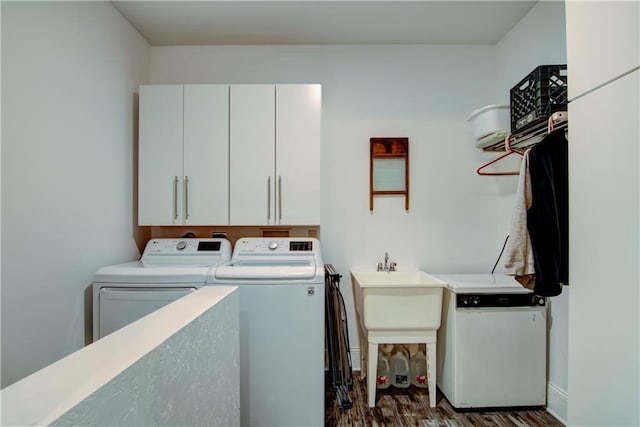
(431, 369)
(363, 354)
(372, 373)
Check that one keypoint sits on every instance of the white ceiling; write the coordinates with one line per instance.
(166, 23)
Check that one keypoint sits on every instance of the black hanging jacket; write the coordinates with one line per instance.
(548, 216)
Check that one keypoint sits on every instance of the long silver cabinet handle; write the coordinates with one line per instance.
(175, 198)
(268, 199)
(186, 197)
(279, 199)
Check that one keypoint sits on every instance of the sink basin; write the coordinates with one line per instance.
(397, 300)
(396, 307)
(404, 279)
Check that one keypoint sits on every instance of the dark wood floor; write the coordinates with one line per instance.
(410, 407)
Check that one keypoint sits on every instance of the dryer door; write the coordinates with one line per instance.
(121, 306)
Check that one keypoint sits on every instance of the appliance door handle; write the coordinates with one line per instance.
(175, 198)
(268, 199)
(186, 197)
(279, 199)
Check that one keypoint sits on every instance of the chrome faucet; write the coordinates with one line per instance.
(387, 266)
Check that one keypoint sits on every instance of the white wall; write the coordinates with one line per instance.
(69, 74)
(540, 38)
(604, 385)
(604, 213)
(456, 222)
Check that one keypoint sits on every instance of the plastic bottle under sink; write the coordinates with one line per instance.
(386, 348)
(418, 368)
(399, 364)
(383, 376)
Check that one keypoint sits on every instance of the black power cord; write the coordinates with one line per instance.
(500, 256)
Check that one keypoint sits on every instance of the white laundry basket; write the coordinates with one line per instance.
(489, 119)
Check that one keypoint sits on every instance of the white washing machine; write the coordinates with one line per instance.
(492, 343)
(168, 269)
(281, 285)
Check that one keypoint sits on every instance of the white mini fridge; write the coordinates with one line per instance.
(492, 345)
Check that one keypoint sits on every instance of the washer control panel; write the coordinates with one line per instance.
(266, 245)
(174, 246)
(182, 251)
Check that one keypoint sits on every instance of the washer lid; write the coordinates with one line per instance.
(135, 273)
(483, 284)
(267, 270)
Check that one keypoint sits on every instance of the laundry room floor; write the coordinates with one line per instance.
(410, 407)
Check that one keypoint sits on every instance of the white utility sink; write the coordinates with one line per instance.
(397, 299)
(396, 307)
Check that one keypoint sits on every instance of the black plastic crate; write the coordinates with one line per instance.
(537, 96)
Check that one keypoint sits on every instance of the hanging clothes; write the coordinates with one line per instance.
(548, 215)
(518, 252)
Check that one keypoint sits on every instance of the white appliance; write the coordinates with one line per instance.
(492, 345)
(281, 284)
(168, 269)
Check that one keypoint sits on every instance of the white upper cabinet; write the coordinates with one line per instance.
(183, 155)
(275, 154)
(160, 154)
(608, 31)
(252, 154)
(206, 154)
(298, 112)
(239, 154)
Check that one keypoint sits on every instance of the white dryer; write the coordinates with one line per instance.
(168, 269)
(282, 291)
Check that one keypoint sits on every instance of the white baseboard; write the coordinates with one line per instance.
(355, 359)
(557, 400)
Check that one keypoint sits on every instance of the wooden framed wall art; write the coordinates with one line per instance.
(389, 168)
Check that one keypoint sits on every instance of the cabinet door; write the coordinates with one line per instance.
(298, 110)
(609, 31)
(206, 155)
(160, 155)
(252, 154)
